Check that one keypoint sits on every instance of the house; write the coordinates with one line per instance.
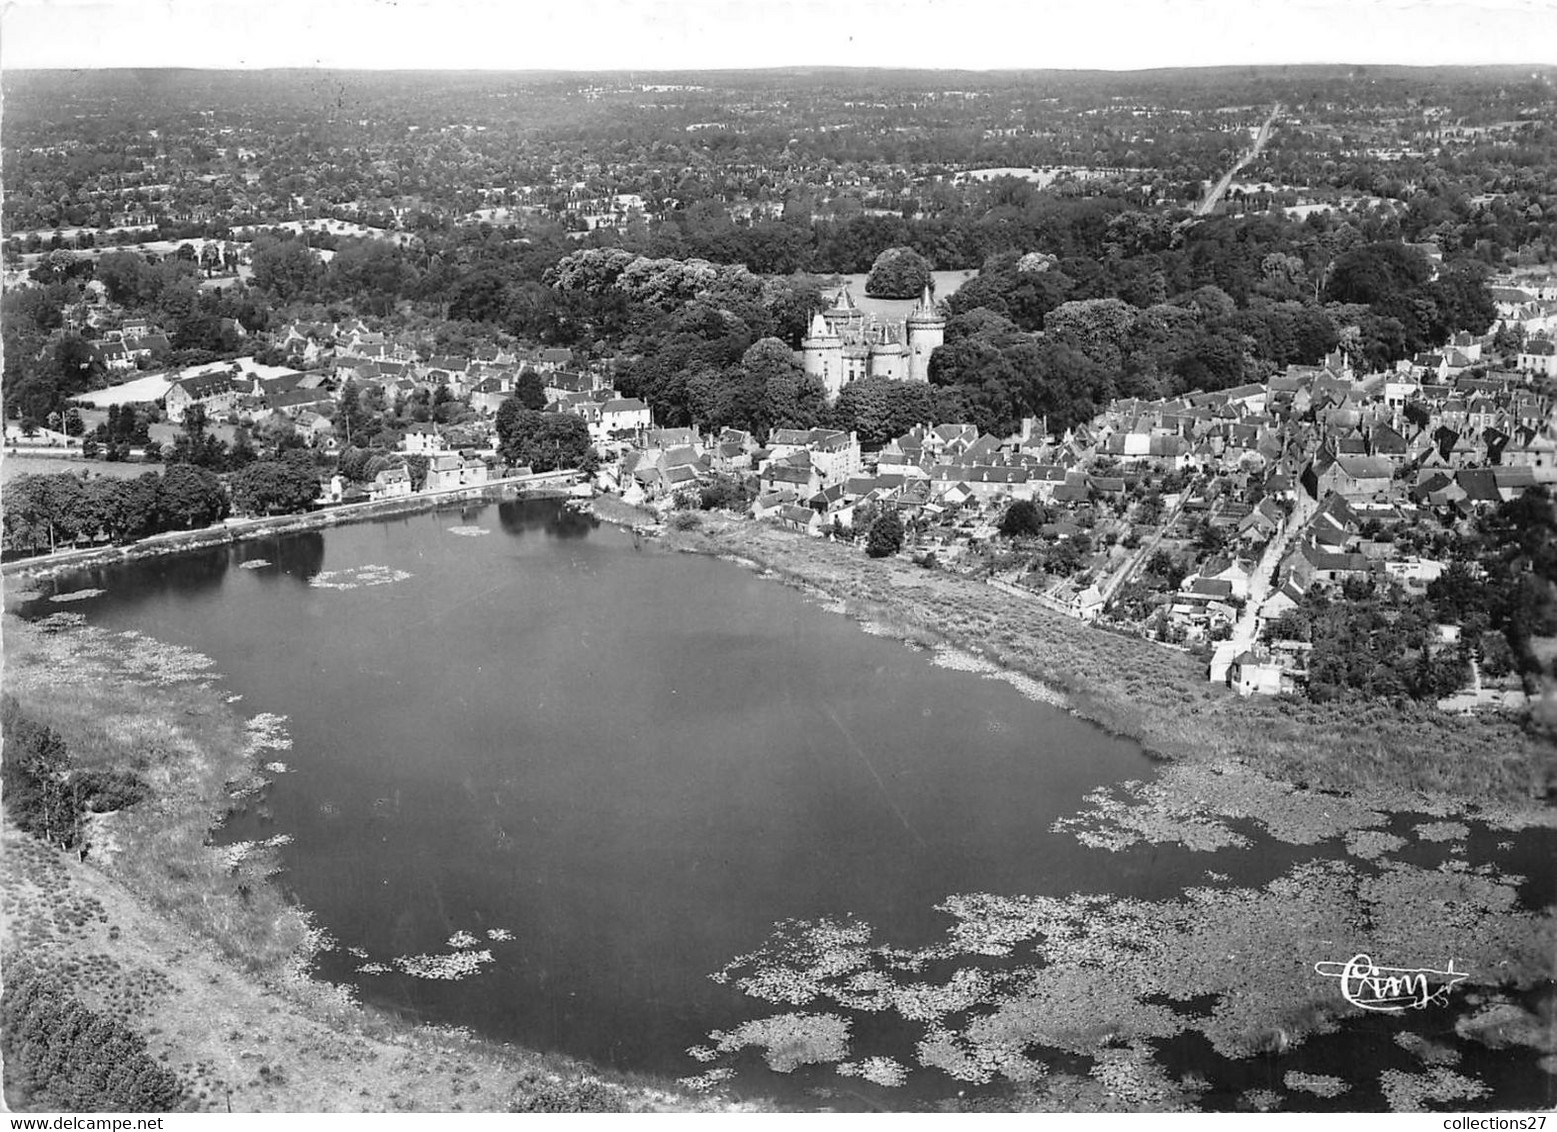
(772, 502)
(802, 519)
(422, 440)
(1356, 477)
(212, 391)
(315, 428)
(1087, 604)
(113, 356)
(447, 470)
(391, 483)
(622, 414)
(297, 401)
(792, 475)
(1248, 675)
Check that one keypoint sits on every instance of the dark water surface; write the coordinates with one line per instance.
(634, 761)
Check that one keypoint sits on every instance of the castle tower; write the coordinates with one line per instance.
(844, 318)
(823, 349)
(926, 331)
(889, 358)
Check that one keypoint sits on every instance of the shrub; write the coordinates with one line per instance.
(70, 1058)
(886, 536)
(581, 1094)
(685, 521)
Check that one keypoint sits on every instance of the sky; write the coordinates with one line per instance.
(697, 34)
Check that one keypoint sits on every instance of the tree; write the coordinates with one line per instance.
(270, 486)
(529, 391)
(1023, 517)
(190, 497)
(898, 273)
(353, 422)
(543, 442)
(288, 269)
(886, 535)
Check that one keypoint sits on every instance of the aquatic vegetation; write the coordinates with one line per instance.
(1131, 1076)
(790, 1040)
(1441, 831)
(1319, 1084)
(881, 1071)
(1499, 1022)
(1188, 803)
(276, 768)
(77, 595)
(1092, 975)
(469, 531)
(452, 966)
(375, 969)
(61, 622)
(357, 952)
(355, 577)
(254, 564)
(462, 941)
(1409, 1092)
(811, 951)
(1430, 1053)
(501, 935)
(240, 851)
(1371, 843)
(705, 1081)
(1261, 1100)
(266, 732)
(702, 1053)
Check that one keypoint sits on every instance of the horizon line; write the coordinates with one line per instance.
(781, 67)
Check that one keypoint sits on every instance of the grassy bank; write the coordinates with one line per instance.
(1157, 696)
(191, 946)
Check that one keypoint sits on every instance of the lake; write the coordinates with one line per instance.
(544, 783)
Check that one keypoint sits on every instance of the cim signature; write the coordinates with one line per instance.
(1391, 988)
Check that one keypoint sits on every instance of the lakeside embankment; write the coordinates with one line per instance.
(192, 945)
(1159, 697)
(539, 485)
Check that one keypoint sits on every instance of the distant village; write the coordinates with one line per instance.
(1197, 522)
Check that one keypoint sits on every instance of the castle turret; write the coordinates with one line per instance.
(889, 359)
(926, 331)
(823, 350)
(843, 317)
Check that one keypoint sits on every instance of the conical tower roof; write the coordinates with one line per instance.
(820, 329)
(924, 311)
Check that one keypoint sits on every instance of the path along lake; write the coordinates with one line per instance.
(599, 772)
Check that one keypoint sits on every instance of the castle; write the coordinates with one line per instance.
(845, 345)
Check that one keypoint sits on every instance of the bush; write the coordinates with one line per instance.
(1024, 517)
(886, 536)
(70, 1058)
(581, 1094)
(685, 521)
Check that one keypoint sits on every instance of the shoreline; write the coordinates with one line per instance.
(1404, 757)
(539, 486)
(201, 952)
(376, 1037)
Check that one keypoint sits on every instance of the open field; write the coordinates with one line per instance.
(12, 466)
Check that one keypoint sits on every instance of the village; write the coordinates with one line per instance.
(1199, 522)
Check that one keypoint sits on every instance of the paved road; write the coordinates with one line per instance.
(1260, 584)
(1206, 206)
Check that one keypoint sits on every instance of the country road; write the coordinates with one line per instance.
(1206, 206)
